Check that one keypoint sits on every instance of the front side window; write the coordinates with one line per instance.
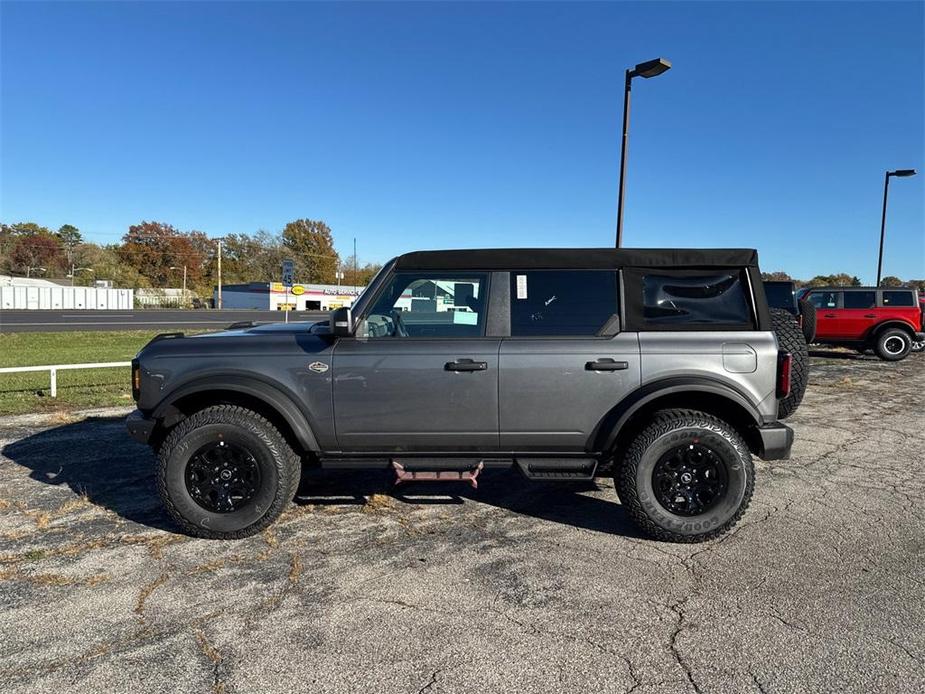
(549, 303)
(824, 300)
(710, 297)
(860, 299)
(428, 305)
(898, 299)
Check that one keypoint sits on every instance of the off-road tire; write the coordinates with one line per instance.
(669, 429)
(279, 465)
(790, 338)
(886, 339)
(918, 346)
(808, 312)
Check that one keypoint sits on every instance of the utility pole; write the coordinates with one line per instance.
(355, 266)
(218, 303)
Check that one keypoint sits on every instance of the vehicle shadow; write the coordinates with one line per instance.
(569, 503)
(97, 459)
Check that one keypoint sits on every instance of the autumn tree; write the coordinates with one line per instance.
(32, 252)
(839, 280)
(891, 281)
(310, 245)
(778, 276)
(152, 248)
(357, 275)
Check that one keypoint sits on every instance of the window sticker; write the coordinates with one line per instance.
(521, 286)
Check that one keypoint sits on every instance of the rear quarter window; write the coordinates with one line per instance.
(689, 299)
(898, 299)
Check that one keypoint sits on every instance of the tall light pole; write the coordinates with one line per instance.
(650, 68)
(900, 173)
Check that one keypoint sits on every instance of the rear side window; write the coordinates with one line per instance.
(549, 303)
(695, 298)
(898, 299)
(780, 295)
(860, 299)
(824, 299)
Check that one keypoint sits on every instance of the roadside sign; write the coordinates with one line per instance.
(288, 272)
(298, 290)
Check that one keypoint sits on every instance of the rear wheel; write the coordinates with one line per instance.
(790, 338)
(226, 472)
(893, 344)
(687, 477)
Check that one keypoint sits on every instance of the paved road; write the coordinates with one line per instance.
(514, 587)
(151, 319)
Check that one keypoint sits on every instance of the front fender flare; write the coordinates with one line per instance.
(273, 397)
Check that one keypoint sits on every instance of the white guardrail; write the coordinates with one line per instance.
(55, 368)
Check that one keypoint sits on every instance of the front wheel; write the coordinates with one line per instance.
(687, 477)
(893, 344)
(226, 472)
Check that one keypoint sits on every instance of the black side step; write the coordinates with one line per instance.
(571, 469)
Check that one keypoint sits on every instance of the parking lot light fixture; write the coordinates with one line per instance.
(899, 173)
(646, 70)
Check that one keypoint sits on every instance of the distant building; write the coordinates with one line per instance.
(273, 296)
(38, 294)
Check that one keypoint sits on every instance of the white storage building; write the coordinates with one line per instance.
(28, 293)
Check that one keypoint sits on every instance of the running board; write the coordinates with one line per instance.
(570, 469)
(447, 474)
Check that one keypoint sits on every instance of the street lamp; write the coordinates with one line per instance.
(650, 68)
(899, 173)
(76, 270)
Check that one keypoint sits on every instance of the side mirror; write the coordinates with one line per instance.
(341, 322)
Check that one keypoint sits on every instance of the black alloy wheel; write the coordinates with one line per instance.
(222, 477)
(689, 480)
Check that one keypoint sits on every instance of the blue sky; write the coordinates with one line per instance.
(463, 125)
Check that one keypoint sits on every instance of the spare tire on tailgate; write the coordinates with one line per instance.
(790, 338)
(808, 312)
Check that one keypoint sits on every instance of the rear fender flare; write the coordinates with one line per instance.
(608, 429)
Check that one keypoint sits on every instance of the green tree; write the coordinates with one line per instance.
(252, 257)
(891, 281)
(778, 276)
(106, 264)
(310, 244)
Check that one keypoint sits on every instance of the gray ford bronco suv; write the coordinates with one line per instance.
(664, 364)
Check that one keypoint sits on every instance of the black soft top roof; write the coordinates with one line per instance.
(578, 258)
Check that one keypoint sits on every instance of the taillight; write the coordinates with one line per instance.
(136, 380)
(784, 364)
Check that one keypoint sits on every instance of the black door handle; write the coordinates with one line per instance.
(870, 315)
(465, 365)
(829, 315)
(607, 364)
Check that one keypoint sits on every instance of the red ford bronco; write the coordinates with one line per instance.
(889, 321)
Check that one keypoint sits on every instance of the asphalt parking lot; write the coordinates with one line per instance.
(519, 587)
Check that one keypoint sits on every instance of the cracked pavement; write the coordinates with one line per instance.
(517, 586)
